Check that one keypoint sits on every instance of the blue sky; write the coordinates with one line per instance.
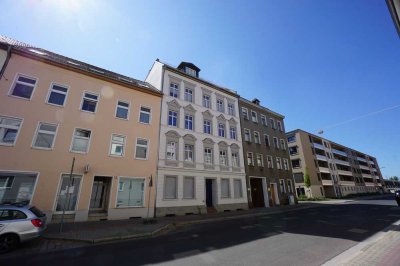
(317, 62)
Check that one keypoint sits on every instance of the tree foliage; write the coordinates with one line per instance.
(307, 180)
(394, 178)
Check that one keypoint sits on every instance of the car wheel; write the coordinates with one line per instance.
(8, 242)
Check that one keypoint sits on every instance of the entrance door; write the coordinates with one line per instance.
(257, 193)
(100, 189)
(209, 192)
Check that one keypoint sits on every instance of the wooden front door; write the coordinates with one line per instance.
(257, 192)
(209, 192)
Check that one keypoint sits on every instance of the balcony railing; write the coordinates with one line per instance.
(321, 157)
(371, 162)
(361, 159)
(324, 170)
(318, 146)
(364, 167)
(327, 182)
(367, 176)
(342, 162)
(339, 152)
(343, 172)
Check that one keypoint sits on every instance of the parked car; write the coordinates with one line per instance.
(397, 196)
(19, 223)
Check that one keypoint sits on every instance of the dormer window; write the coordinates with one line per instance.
(190, 71)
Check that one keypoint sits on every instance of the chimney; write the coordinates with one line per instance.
(256, 101)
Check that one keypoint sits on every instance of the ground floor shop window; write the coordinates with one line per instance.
(68, 193)
(130, 192)
(16, 187)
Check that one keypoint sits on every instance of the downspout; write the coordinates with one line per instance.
(3, 68)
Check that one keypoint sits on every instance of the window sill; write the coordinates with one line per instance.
(120, 118)
(7, 144)
(128, 207)
(142, 159)
(41, 148)
(89, 112)
(143, 123)
(116, 156)
(19, 97)
(56, 105)
(79, 152)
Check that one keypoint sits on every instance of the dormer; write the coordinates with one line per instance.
(256, 101)
(189, 69)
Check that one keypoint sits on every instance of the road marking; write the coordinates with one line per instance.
(195, 235)
(186, 253)
(247, 226)
(357, 230)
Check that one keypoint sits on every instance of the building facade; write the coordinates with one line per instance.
(54, 109)
(335, 170)
(268, 172)
(200, 166)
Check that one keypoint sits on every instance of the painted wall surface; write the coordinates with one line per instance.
(50, 164)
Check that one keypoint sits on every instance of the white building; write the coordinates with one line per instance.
(200, 164)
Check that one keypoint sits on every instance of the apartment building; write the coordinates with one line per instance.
(200, 166)
(54, 109)
(268, 173)
(335, 170)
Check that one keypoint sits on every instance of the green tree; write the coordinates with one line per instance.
(394, 178)
(307, 180)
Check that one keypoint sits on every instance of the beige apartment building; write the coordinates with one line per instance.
(54, 109)
(335, 170)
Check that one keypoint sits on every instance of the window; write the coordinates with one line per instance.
(235, 159)
(221, 130)
(257, 137)
(189, 153)
(250, 159)
(266, 140)
(6, 181)
(173, 118)
(68, 193)
(260, 161)
(45, 136)
(263, 120)
(247, 136)
(272, 122)
(174, 90)
(57, 95)
(276, 144)
(283, 146)
(279, 123)
(232, 132)
(208, 156)
(291, 139)
(220, 105)
(289, 187)
(122, 110)
(188, 188)
(223, 158)
(245, 113)
(171, 150)
(141, 148)
(89, 102)
(237, 189)
(269, 162)
(207, 126)
(207, 100)
(6, 215)
(132, 193)
(117, 145)
(189, 122)
(282, 185)
(9, 129)
(231, 109)
(23, 87)
(81, 140)
(225, 191)
(293, 150)
(188, 95)
(16, 187)
(144, 116)
(285, 164)
(170, 187)
(190, 71)
(278, 163)
(254, 117)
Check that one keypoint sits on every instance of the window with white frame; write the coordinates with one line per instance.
(188, 95)
(245, 113)
(57, 94)
(189, 122)
(142, 146)
(208, 156)
(171, 150)
(232, 132)
(81, 140)
(130, 192)
(257, 137)
(207, 100)
(173, 118)
(279, 123)
(89, 102)
(276, 143)
(282, 185)
(223, 157)
(289, 186)
(45, 136)
(283, 146)
(285, 164)
(269, 162)
(235, 159)
(260, 160)
(225, 191)
(266, 140)
(278, 163)
(122, 110)
(272, 122)
(188, 187)
(231, 109)
(263, 120)
(220, 105)
(6, 181)
(250, 159)
(237, 188)
(23, 86)
(254, 116)
(247, 136)
(68, 193)
(221, 130)
(170, 187)
(9, 129)
(144, 116)
(207, 126)
(117, 145)
(174, 90)
(189, 152)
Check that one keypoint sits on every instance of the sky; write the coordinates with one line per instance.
(330, 65)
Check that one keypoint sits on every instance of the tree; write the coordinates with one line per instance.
(307, 180)
(394, 178)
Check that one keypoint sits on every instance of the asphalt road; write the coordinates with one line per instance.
(304, 237)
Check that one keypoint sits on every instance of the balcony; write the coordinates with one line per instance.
(343, 172)
(318, 146)
(342, 162)
(361, 159)
(366, 175)
(321, 157)
(347, 183)
(339, 152)
(327, 183)
(372, 162)
(324, 170)
(369, 184)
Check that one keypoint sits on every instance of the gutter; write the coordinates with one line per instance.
(3, 68)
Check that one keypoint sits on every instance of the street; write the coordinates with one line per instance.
(302, 237)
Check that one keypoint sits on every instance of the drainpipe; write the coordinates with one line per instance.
(3, 68)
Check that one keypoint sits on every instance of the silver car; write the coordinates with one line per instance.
(19, 223)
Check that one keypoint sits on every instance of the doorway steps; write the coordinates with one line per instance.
(97, 216)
